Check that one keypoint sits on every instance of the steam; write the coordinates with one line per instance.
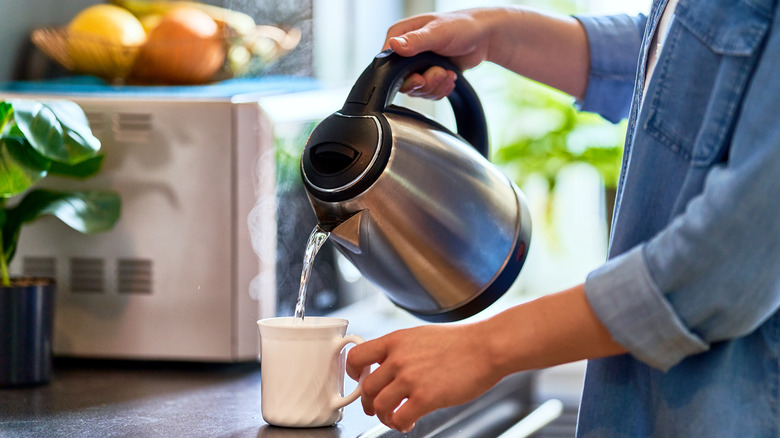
(280, 197)
(261, 222)
(281, 219)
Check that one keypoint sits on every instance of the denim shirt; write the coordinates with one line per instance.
(692, 285)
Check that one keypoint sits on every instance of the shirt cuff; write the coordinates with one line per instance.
(637, 315)
(614, 43)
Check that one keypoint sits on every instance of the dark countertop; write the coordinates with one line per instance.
(110, 398)
(119, 398)
(89, 398)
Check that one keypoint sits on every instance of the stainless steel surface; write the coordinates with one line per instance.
(536, 420)
(439, 224)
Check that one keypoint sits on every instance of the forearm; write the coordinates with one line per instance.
(551, 330)
(433, 366)
(551, 49)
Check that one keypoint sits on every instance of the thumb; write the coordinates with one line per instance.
(408, 37)
(412, 43)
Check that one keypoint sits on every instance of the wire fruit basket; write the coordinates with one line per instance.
(247, 55)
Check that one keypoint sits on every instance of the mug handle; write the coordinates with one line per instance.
(340, 402)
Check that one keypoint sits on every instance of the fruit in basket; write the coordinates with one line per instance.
(237, 21)
(149, 21)
(185, 47)
(104, 40)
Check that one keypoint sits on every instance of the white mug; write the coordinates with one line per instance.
(302, 367)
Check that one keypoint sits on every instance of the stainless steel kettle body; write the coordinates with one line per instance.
(419, 210)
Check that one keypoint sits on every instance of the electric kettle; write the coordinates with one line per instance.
(419, 210)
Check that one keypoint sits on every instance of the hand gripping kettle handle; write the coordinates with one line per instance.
(376, 88)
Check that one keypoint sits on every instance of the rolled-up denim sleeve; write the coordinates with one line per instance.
(614, 43)
(713, 273)
(627, 300)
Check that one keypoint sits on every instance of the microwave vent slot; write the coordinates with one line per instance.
(87, 275)
(98, 122)
(135, 276)
(39, 267)
(132, 127)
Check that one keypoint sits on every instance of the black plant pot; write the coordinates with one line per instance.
(26, 320)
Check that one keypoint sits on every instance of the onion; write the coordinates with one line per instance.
(186, 47)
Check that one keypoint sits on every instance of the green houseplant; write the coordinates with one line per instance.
(549, 133)
(38, 139)
(552, 133)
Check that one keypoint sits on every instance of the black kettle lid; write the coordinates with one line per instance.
(344, 155)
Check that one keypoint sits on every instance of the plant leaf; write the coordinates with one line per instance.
(88, 212)
(20, 166)
(84, 169)
(6, 115)
(85, 211)
(58, 130)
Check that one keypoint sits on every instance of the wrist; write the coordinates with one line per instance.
(550, 330)
(496, 29)
(500, 345)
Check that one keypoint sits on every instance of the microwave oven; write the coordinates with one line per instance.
(171, 281)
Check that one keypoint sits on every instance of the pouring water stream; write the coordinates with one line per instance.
(317, 238)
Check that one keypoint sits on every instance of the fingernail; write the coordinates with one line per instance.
(401, 41)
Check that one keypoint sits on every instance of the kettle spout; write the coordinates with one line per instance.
(347, 233)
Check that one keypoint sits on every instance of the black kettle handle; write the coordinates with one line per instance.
(377, 86)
